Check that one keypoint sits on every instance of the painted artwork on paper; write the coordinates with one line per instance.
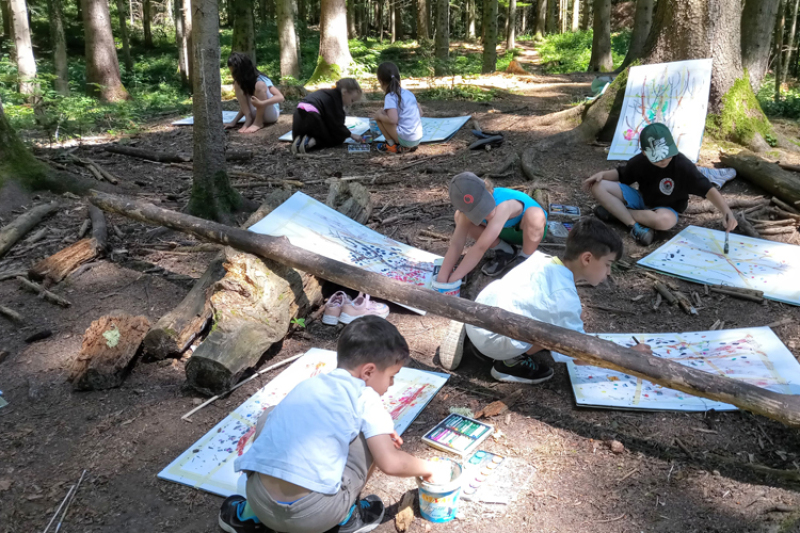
(675, 94)
(433, 129)
(208, 463)
(697, 254)
(753, 355)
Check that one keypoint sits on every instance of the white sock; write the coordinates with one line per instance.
(504, 247)
(524, 255)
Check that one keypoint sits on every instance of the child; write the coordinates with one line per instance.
(543, 288)
(666, 178)
(400, 119)
(314, 451)
(319, 120)
(259, 100)
(496, 219)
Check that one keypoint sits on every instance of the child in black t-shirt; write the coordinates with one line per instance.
(666, 178)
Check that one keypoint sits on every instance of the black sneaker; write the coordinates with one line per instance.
(642, 234)
(229, 518)
(366, 516)
(602, 213)
(500, 262)
(524, 371)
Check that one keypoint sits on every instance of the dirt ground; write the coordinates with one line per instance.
(687, 472)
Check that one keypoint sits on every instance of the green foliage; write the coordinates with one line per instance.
(741, 116)
(570, 52)
(299, 322)
(787, 107)
(458, 92)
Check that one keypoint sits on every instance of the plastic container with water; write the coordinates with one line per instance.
(439, 502)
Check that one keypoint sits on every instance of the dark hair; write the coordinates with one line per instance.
(348, 84)
(390, 75)
(371, 339)
(244, 72)
(590, 234)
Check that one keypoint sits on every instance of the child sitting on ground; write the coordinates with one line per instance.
(543, 288)
(319, 120)
(497, 219)
(400, 120)
(666, 178)
(314, 451)
(259, 100)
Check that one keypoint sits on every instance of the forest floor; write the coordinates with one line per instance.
(688, 472)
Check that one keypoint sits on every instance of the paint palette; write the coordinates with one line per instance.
(478, 471)
(358, 148)
(458, 434)
(565, 212)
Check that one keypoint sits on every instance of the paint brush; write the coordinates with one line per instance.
(727, 234)
(635, 339)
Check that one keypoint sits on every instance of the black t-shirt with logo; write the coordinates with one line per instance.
(665, 187)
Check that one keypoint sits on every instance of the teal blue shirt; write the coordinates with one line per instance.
(502, 194)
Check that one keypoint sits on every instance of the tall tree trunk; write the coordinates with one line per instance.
(263, 14)
(758, 23)
(334, 51)
(16, 161)
(102, 68)
(442, 36)
(642, 21)
(423, 26)
(23, 49)
(541, 18)
(576, 15)
(471, 20)
(586, 20)
(523, 22)
(601, 60)
(122, 15)
(302, 12)
(351, 23)
(365, 17)
(512, 25)
(185, 42)
(391, 21)
(169, 11)
(244, 32)
(212, 195)
(5, 12)
(379, 19)
(59, 42)
(563, 16)
(790, 41)
(552, 16)
(287, 38)
(147, 13)
(398, 21)
(489, 36)
(780, 22)
(79, 12)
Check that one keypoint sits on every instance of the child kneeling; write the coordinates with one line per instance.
(543, 288)
(314, 451)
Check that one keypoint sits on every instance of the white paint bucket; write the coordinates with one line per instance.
(439, 502)
(450, 289)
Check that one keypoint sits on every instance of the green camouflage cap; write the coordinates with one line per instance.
(657, 142)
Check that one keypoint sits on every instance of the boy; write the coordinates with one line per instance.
(666, 178)
(543, 288)
(314, 451)
(496, 219)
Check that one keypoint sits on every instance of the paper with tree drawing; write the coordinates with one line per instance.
(697, 254)
(208, 463)
(433, 129)
(675, 94)
(753, 355)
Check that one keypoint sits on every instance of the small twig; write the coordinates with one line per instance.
(626, 476)
(74, 493)
(620, 517)
(50, 523)
(781, 322)
(683, 447)
(610, 309)
(10, 314)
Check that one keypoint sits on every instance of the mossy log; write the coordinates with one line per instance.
(20, 226)
(59, 265)
(769, 176)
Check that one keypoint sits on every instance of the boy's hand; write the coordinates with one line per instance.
(730, 222)
(590, 182)
(397, 440)
(643, 348)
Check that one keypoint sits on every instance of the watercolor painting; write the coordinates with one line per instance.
(315, 227)
(675, 94)
(753, 355)
(697, 254)
(433, 129)
(208, 463)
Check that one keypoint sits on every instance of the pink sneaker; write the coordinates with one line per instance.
(362, 306)
(333, 308)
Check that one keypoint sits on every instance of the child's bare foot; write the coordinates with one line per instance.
(253, 128)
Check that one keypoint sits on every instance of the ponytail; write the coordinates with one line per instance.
(389, 75)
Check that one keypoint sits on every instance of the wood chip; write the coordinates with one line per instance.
(405, 516)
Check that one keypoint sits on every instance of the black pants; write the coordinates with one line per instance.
(313, 125)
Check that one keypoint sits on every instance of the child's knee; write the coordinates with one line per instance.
(666, 220)
(534, 220)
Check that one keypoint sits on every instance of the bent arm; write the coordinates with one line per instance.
(728, 220)
(394, 462)
(457, 242)
(476, 253)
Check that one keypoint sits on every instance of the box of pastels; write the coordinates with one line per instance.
(458, 434)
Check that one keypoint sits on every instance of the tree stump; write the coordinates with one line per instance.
(351, 199)
(59, 265)
(109, 346)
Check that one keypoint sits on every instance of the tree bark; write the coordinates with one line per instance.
(185, 41)
(523, 23)
(586, 20)
(489, 36)
(102, 68)
(423, 27)
(147, 15)
(244, 32)
(379, 19)
(552, 16)
(392, 27)
(758, 23)
(59, 42)
(287, 39)
(23, 49)
(398, 34)
(782, 407)
(122, 13)
(443, 36)
(791, 41)
(334, 51)
(780, 23)
(642, 21)
(576, 15)
(20, 226)
(58, 266)
(541, 18)
(512, 25)
(5, 13)
(601, 60)
(769, 176)
(563, 16)
(351, 22)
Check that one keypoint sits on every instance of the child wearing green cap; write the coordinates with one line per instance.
(665, 177)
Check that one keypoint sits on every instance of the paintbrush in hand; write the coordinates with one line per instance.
(727, 235)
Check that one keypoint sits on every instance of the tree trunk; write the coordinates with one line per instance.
(169, 11)
(59, 42)
(102, 68)
(379, 19)
(642, 21)
(244, 32)
(601, 60)
(18, 163)
(23, 49)
(334, 51)
(302, 12)
(552, 16)
(5, 12)
(398, 21)
(147, 15)
(586, 20)
(185, 42)
(563, 16)
(576, 15)
(212, 195)
(769, 176)
(489, 36)
(351, 23)
(423, 26)
(391, 21)
(122, 14)
(782, 407)
(790, 41)
(780, 22)
(523, 23)
(365, 17)
(512, 25)
(442, 36)
(287, 39)
(470, 25)
(541, 18)
(758, 23)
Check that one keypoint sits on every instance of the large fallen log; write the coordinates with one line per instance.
(59, 265)
(17, 228)
(769, 176)
(595, 351)
(170, 157)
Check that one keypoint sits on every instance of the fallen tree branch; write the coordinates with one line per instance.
(782, 407)
(44, 293)
(769, 176)
(707, 207)
(20, 226)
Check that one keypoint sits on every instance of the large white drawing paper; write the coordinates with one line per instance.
(697, 254)
(675, 94)
(208, 463)
(752, 355)
(358, 125)
(227, 116)
(433, 129)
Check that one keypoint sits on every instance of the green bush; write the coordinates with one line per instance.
(458, 92)
(787, 107)
(570, 52)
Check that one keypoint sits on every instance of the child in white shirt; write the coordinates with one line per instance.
(400, 120)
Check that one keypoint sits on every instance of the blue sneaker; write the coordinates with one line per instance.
(230, 521)
(642, 234)
(365, 515)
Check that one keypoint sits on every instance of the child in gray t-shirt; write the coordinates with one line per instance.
(400, 120)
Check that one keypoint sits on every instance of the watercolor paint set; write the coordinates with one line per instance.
(458, 434)
(479, 472)
(564, 212)
(358, 148)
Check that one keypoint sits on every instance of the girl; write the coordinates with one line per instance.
(400, 119)
(318, 121)
(259, 100)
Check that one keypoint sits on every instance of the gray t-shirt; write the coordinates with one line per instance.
(409, 123)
